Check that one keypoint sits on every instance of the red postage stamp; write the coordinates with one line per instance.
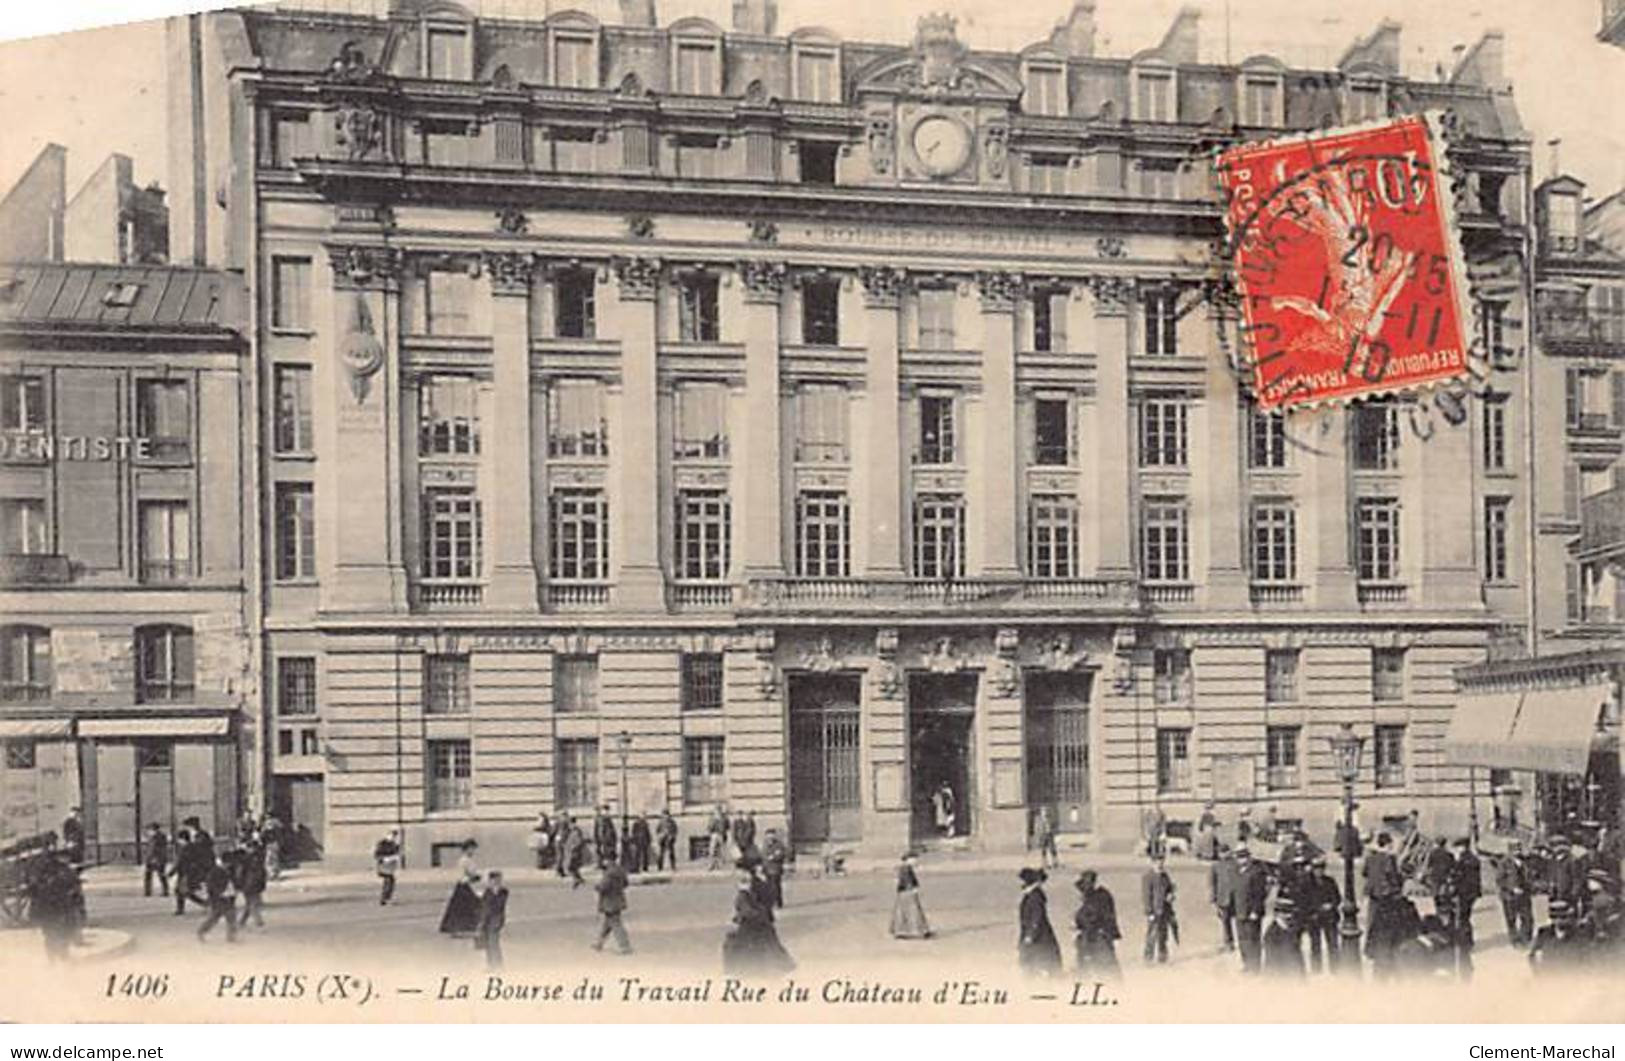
(1347, 262)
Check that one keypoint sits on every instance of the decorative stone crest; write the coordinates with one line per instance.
(996, 149)
(631, 85)
(1113, 294)
(764, 281)
(358, 131)
(936, 42)
(763, 643)
(943, 659)
(1058, 654)
(351, 65)
(1111, 247)
(821, 658)
(756, 93)
(362, 265)
(882, 144)
(763, 231)
(1000, 291)
(882, 285)
(512, 220)
(641, 226)
(359, 350)
(639, 278)
(1004, 676)
(888, 676)
(511, 272)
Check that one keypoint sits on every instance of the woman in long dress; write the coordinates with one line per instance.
(463, 908)
(1038, 949)
(751, 946)
(908, 915)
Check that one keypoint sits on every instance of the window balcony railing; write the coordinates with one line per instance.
(165, 572)
(1051, 456)
(1281, 778)
(821, 452)
(1169, 593)
(448, 593)
(714, 448)
(1602, 525)
(566, 595)
(1595, 424)
(1276, 593)
(1381, 594)
(34, 569)
(702, 595)
(24, 692)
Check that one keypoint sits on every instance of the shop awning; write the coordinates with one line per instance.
(36, 729)
(1480, 727)
(114, 728)
(1555, 730)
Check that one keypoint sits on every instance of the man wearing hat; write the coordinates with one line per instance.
(1252, 893)
(611, 906)
(1320, 918)
(1558, 946)
(1454, 904)
(1283, 951)
(1383, 886)
(1096, 921)
(1157, 892)
(1517, 901)
(1223, 884)
(1038, 950)
(386, 858)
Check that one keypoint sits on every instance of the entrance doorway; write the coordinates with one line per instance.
(299, 805)
(825, 779)
(941, 747)
(1058, 748)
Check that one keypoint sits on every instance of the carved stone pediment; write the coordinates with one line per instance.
(937, 65)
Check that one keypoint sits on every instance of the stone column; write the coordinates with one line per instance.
(508, 443)
(1113, 450)
(357, 402)
(1448, 525)
(635, 528)
(882, 289)
(760, 509)
(1330, 505)
(997, 461)
(1219, 492)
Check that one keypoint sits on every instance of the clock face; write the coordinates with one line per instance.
(942, 145)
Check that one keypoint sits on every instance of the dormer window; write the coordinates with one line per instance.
(696, 62)
(1563, 221)
(1366, 100)
(1261, 100)
(817, 73)
(446, 52)
(575, 59)
(1154, 94)
(1046, 88)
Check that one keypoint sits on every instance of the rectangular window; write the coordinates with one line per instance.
(578, 532)
(698, 155)
(25, 664)
(1052, 536)
(448, 54)
(819, 161)
(1046, 91)
(23, 531)
(823, 534)
(816, 76)
(821, 312)
(164, 668)
(166, 541)
(1163, 433)
(1266, 441)
(1052, 436)
(1377, 539)
(290, 294)
(1281, 676)
(939, 536)
(574, 149)
(576, 421)
(1173, 681)
(697, 68)
(1366, 102)
(19, 754)
(1492, 329)
(1159, 178)
(1049, 321)
(575, 685)
(576, 304)
(1495, 432)
(702, 421)
(704, 534)
(451, 775)
(698, 319)
(1046, 174)
(1281, 757)
(936, 310)
(1387, 674)
(1173, 760)
(296, 685)
(1608, 310)
(163, 416)
(451, 534)
(575, 61)
(295, 531)
(1376, 436)
(1275, 542)
(1563, 219)
(1164, 541)
(1497, 527)
(447, 143)
(448, 298)
(290, 138)
(704, 781)
(1162, 323)
(702, 681)
(1153, 96)
(448, 416)
(447, 684)
(1260, 100)
(293, 414)
(937, 435)
(22, 403)
(1389, 756)
(576, 767)
(821, 423)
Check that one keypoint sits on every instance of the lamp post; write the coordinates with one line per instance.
(623, 748)
(1346, 745)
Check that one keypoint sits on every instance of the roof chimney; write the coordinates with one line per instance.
(1074, 37)
(638, 13)
(1380, 49)
(1183, 42)
(1555, 144)
(756, 16)
(1484, 65)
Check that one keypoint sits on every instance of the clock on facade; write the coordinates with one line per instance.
(941, 143)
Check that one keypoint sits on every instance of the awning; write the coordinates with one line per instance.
(36, 729)
(1480, 727)
(105, 728)
(1555, 729)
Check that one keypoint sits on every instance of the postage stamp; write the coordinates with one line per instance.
(1347, 263)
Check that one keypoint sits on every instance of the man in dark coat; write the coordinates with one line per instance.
(745, 834)
(1283, 951)
(386, 859)
(1223, 885)
(155, 860)
(493, 918)
(774, 854)
(56, 904)
(642, 841)
(1252, 893)
(192, 864)
(1438, 867)
(1559, 946)
(605, 837)
(1461, 890)
(73, 837)
(250, 876)
(1157, 895)
(1383, 887)
(666, 841)
(221, 890)
(751, 946)
(1565, 879)
(1517, 899)
(1038, 950)
(611, 907)
(1096, 921)
(1321, 918)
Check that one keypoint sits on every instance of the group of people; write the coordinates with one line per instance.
(1095, 942)
(211, 878)
(1586, 912)
(478, 907)
(562, 844)
(46, 870)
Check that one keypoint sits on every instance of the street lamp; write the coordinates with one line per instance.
(623, 748)
(1346, 745)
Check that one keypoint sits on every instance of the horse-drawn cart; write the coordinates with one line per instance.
(21, 863)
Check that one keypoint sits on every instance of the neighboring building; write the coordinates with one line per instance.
(1613, 23)
(687, 417)
(108, 220)
(124, 537)
(31, 212)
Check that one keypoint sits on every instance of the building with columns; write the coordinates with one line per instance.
(666, 416)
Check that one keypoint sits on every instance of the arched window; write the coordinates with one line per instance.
(25, 664)
(164, 668)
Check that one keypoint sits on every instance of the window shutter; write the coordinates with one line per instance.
(1571, 396)
(1571, 491)
(1616, 383)
(1571, 587)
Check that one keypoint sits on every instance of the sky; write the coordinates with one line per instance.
(100, 91)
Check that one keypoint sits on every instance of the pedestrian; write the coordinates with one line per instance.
(666, 841)
(641, 842)
(1096, 922)
(386, 859)
(155, 861)
(1038, 951)
(1154, 825)
(1244, 826)
(73, 837)
(945, 808)
(1512, 884)
(1266, 828)
(1564, 878)
(275, 838)
(1044, 836)
(751, 946)
(462, 914)
(612, 907)
(1462, 889)
(745, 834)
(193, 863)
(1223, 885)
(1436, 870)
(575, 854)
(221, 891)
(1207, 843)
(1283, 951)
(774, 853)
(605, 838)
(1252, 893)
(908, 913)
(250, 877)
(1383, 887)
(717, 832)
(561, 843)
(493, 917)
(56, 904)
(1157, 893)
(1321, 918)
(1558, 946)
(541, 841)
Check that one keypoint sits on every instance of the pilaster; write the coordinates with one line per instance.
(760, 510)
(882, 289)
(997, 465)
(1112, 445)
(510, 447)
(635, 528)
